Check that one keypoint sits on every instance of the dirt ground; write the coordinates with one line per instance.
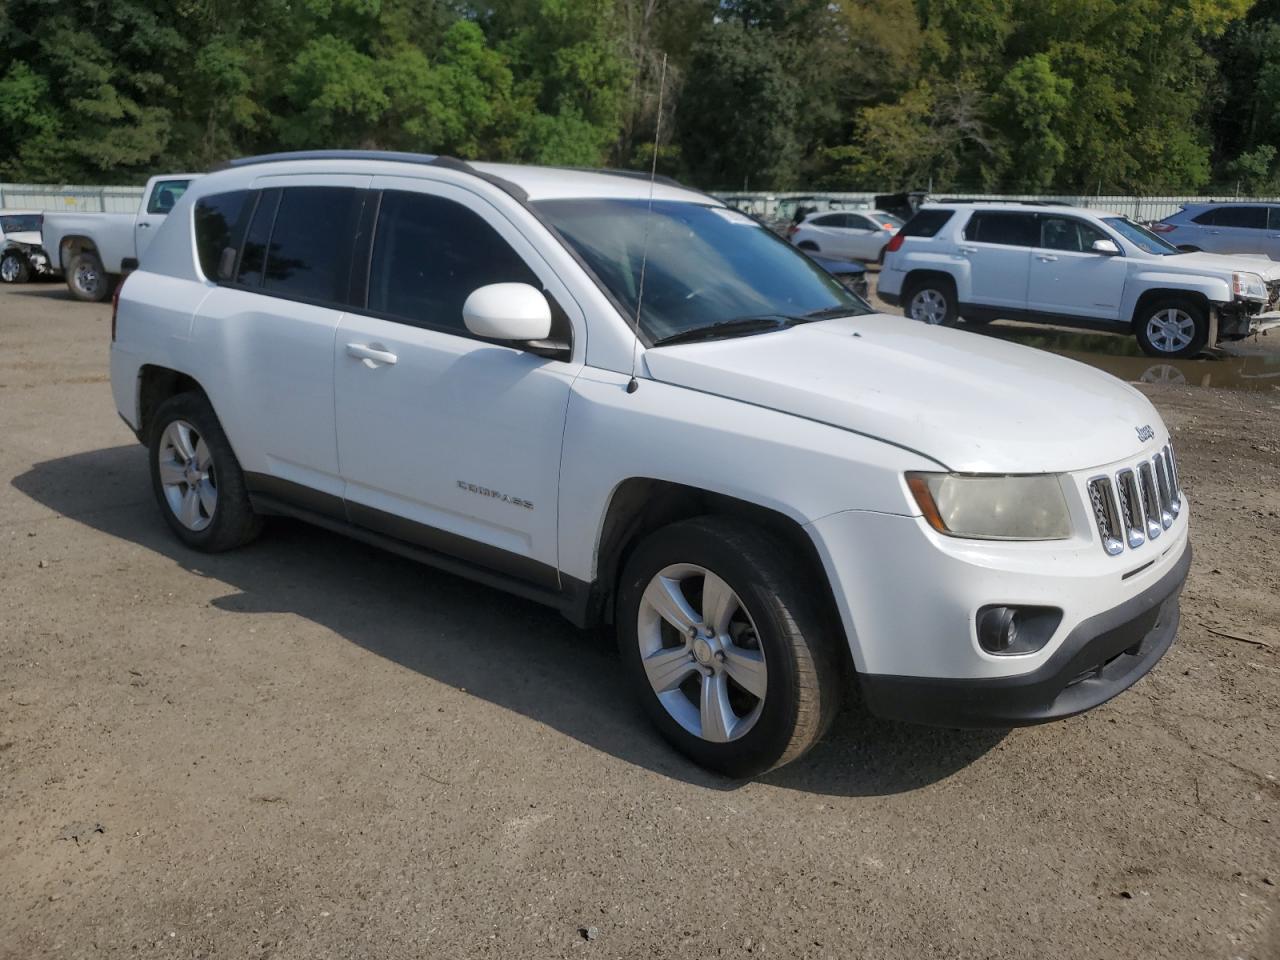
(310, 749)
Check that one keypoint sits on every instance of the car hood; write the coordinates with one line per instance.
(1222, 263)
(970, 402)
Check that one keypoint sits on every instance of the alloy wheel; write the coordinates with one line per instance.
(929, 306)
(187, 475)
(701, 653)
(9, 269)
(1171, 330)
(87, 278)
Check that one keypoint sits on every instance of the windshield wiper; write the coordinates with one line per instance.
(739, 326)
(830, 313)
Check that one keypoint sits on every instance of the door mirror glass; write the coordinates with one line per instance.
(1107, 247)
(508, 311)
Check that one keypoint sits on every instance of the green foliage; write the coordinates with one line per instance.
(1037, 95)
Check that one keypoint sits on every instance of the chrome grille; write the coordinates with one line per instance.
(1104, 512)
(1131, 507)
(1137, 504)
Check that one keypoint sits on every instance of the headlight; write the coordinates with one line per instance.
(993, 507)
(1248, 286)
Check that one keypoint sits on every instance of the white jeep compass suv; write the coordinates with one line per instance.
(640, 407)
(1076, 267)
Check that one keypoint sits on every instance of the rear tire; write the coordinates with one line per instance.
(196, 477)
(744, 611)
(14, 268)
(1172, 327)
(86, 278)
(931, 300)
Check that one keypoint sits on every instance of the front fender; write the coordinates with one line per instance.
(1213, 289)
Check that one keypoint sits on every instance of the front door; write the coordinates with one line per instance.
(446, 440)
(1069, 278)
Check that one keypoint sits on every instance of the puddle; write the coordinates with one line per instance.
(1249, 365)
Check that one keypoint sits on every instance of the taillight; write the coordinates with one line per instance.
(896, 243)
(1163, 228)
(791, 230)
(115, 305)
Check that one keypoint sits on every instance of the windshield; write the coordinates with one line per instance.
(1141, 237)
(705, 264)
(20, 223)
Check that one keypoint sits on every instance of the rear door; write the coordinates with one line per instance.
(447, 440)
(827, 231)
(273, 325)
(162, 198)
(998, 244)
(862, 238)
(1068, 278)
(1233, 228)
(1271, 244)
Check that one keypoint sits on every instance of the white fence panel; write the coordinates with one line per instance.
(74, 197)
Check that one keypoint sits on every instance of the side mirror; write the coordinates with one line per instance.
(1107, 247)
(508, 311)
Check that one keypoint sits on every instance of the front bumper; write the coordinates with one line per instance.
(1102, 657)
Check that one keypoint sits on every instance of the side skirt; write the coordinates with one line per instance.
(535, 581)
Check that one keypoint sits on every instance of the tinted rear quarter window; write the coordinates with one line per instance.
(830, 220)
(309, 256)
(219, 221)
(926, 223)
(1006, 229)
(430, 254)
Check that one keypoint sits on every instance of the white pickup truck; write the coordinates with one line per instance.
(89, 249)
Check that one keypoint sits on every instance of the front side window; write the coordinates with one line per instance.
(166, 195)
(1006, 229)
(218, 222)
(856, 221)
(702, 264)
(830, 220)
(309, 254)
(1068, 234)
(430, 254)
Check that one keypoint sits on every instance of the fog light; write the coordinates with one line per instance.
(1006, 631)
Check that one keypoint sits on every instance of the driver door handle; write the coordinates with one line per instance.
(371, 353)
(1046, 258)
(144, 226)
(967, 249)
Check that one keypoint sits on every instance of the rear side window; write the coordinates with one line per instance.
(219, 223)
(1007, 229)
(858, 222)
(830, 220)
(926, 223)
(309, 254)
(1274, 215)
(165, 195)
(1254, 218)
(429, 254)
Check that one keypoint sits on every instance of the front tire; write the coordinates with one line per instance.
(86, 278)
(14, 268)
(731, 656)
(196, 477)
(931, 300)
(1172, 328)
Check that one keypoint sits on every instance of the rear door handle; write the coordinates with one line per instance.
(144, 226)
(371, 353)
(967, 249)
(1046, 258)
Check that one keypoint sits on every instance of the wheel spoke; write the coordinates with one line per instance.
(181, 435)
(719, 603)
(668, 668)
(203, 457)
(208, 496)
(664, 595)
(190, 512)
(716, 714)
(171, 472)
(747, 668)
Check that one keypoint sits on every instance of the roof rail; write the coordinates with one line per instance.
(1023, 203)
(388, 156)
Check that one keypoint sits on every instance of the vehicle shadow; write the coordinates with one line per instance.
(469, 636)
(49, 290)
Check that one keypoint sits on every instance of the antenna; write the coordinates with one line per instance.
(633, 384)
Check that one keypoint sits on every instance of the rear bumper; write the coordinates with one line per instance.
(1102, 657)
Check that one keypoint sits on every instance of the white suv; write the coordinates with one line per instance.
(645, 409)
(1068, 265)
